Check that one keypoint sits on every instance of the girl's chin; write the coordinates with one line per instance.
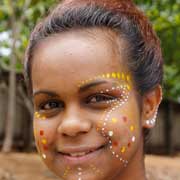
(85, 174)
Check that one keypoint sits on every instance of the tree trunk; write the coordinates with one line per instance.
(10, 121)
(9, 130)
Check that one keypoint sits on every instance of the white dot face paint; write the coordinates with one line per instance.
(79, 173)
(118, 149)
(43, 156)
(110, 133)
(133, 139)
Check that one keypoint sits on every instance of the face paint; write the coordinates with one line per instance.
(113, 144)
(41, 133)
(117, 147)
(66, 171)
(44, 141)
(44, 156)
(95, 170)
(79, 173)
(116, 104)
(118, 76)
(39, 116)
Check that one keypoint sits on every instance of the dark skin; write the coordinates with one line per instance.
(72, 112)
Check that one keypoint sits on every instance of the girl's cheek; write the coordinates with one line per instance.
(121, 132)
(43, 135)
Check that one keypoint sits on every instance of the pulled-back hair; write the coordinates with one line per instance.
(120, 16)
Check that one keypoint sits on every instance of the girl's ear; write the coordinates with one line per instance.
(151, 101)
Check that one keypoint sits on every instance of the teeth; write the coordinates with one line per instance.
(78, 154)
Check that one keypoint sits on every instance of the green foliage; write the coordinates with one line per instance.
(164, 14)
(26, 18)
(165, 17)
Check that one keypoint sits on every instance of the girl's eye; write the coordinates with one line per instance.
(51, 105)
(99, 98)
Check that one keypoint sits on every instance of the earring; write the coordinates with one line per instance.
(153, 120)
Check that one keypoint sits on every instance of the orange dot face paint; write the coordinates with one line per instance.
(45, 147)
(115, 143)
(41, 133)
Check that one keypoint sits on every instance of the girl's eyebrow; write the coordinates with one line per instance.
(92, 84)
(49, 93)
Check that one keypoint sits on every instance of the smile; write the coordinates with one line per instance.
(80, 155)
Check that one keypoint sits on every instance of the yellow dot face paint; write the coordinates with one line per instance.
(132, 128)
(44, 141)
(114, 120)
(43, 117)
(123, 149)
(66, 172)
(123, 76)
(128, 78)
(39, 116)
(114, 75)
(108, 75)
(118, 76)
(95, 169)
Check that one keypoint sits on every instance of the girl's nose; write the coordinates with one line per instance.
(73, 126)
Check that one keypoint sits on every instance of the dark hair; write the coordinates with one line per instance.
(121, 16)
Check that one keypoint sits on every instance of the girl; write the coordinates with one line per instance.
(94, 69)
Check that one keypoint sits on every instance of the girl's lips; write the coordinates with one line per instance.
(80, 155)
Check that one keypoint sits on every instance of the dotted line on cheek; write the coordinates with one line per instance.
(118, 104)
(125, 162)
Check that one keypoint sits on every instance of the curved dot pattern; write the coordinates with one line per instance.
(124, 95)
(117, 104)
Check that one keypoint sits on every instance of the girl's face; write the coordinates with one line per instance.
(87, 116)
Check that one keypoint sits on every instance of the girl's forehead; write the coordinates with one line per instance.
(75, 57)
